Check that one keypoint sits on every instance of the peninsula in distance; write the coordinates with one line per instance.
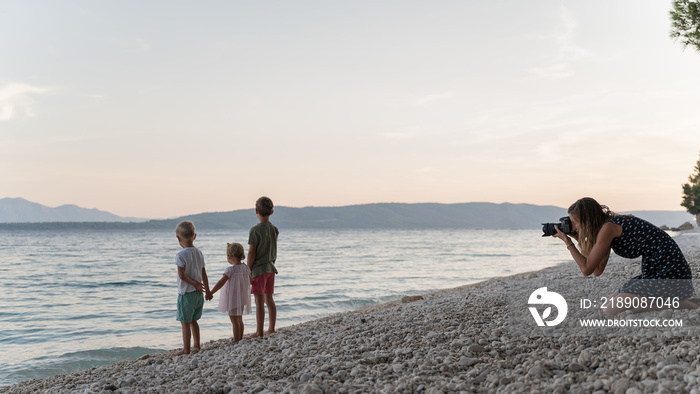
(473, 215)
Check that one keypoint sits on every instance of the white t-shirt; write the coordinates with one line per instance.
(193, 262)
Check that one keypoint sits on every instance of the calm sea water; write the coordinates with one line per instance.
(75, 300)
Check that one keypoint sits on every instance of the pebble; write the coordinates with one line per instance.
(456, 340)
(476, 348)
(305, 377)
(535, 371)
(467, 361)
(620, 386)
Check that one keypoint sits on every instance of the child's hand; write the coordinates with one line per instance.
(209, 296)
(199, 287)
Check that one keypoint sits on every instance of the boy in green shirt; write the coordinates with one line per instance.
(262, 253)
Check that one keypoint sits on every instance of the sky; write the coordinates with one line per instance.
(161, 109)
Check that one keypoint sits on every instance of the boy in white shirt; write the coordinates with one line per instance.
(191, 281)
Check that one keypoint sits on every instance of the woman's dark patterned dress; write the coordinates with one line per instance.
(665, 272)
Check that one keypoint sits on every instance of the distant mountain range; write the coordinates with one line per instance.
(19, 210)
(22, 214)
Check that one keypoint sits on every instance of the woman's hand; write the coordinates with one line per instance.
(562, 236)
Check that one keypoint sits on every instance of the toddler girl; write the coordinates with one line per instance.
(235, 285)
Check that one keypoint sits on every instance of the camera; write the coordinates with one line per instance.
(564, 225)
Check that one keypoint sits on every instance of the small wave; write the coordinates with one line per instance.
(45, 366)
(332, 305)
(491, 255)
(91, 285)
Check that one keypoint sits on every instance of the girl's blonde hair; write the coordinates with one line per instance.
(235, 250)
(591, 216)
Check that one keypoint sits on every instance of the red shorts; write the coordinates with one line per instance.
(263, 284)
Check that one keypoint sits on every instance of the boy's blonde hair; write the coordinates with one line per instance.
(235, 250)
(264, 206)
(185, 230)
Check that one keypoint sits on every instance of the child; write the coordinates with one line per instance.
(191, 281)
(262, 253)
(235, 285)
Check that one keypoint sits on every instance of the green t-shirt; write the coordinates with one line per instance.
(264, 237)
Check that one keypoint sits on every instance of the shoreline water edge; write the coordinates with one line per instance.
(466, 339)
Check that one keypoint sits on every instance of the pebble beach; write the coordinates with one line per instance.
(458, 340)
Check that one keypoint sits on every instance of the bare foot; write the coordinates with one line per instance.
(268, 332)
(180, 353)
(255, 335)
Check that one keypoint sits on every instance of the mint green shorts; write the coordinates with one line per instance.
(189, 307)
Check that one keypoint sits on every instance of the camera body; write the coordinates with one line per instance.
(564, 225)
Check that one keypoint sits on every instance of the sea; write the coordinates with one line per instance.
(73, 300)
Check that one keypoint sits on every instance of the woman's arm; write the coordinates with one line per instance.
(598, 257)
(601, 267)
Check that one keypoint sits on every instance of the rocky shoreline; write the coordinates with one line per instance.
(456, 340)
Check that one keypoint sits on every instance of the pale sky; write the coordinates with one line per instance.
(166, 108)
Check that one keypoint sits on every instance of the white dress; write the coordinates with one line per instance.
(235, 294)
